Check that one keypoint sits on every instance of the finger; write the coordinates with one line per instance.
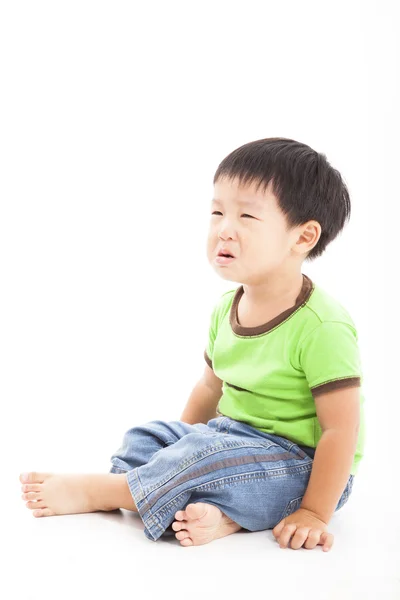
(313, 539)
(327, 541)
(286, 534)
(300, 537)
(278, 528)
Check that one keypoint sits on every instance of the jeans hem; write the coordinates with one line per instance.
(152, 528)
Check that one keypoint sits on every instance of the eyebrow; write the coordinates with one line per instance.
(250, 203)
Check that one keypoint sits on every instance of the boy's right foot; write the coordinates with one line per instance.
(201, 523)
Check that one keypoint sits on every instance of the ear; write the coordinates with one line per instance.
(309, 235)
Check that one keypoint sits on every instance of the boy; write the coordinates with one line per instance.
(273, 432)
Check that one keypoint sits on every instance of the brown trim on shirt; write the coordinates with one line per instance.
(336, 384)
(302, 298)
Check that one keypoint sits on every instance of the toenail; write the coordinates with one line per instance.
(25, 476)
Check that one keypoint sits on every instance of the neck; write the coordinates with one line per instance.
(276, 289)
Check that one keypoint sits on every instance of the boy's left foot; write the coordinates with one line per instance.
(51, 494)
(201, 523)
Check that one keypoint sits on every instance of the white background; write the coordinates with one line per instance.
(114, 117)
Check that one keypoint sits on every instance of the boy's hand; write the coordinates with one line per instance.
(306, 529)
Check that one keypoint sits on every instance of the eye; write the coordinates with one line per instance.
(244, 215)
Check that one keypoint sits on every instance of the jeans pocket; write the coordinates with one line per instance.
(291, 507)
(346, 494)
(294, 504)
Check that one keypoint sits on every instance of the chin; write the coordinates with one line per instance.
(224, 273)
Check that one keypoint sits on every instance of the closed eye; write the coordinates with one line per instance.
(244, 215)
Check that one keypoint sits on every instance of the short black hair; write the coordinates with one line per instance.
(306, 186)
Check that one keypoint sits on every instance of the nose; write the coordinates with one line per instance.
(225, 229)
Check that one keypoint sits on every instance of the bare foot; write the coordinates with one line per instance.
(59, 494)
(201, 523)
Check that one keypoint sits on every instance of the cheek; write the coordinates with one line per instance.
(273, 238)
(212, 237)
(211, 246)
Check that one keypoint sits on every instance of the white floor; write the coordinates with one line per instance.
(102, 554)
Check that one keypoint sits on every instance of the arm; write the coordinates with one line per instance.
(339, 415)
(203, 401)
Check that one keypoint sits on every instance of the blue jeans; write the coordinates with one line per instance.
(253, 477)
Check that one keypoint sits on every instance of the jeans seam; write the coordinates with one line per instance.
(118, 468)
(236, 480)
(145, 511)
(200, 455)
(290, 445)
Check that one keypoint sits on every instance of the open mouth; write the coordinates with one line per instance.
(224, 259)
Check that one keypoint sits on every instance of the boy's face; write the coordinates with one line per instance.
(252, 227)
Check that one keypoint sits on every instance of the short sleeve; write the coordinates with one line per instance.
(330, 358)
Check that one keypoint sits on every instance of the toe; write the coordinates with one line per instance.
(44, 512)
(31, 487)
(31, 496)
(197, 510)
(178, 525)
(181, 535)
(39, 504)
(180, 515)
(186, 542)
(31, 477)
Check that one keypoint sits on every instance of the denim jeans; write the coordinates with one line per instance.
(253, 477)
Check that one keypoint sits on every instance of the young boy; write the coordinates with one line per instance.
(273, 432)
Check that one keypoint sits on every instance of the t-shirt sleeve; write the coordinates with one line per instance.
(330, 358)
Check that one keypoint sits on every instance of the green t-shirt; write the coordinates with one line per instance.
(271, 373)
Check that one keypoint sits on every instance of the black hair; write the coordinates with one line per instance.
(306, 186)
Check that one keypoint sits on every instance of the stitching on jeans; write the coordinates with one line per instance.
(187, 478)
(119, 469)
(234, 480)
(206, 452)
(291, 445)
(215, 485)
(151, 522)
